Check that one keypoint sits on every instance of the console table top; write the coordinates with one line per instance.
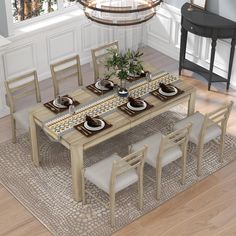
(205, 18)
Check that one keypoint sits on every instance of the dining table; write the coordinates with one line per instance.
(65, 127)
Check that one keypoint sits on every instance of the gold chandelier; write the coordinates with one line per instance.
(120, 12)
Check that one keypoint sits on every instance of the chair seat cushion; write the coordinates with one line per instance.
(22, 117)
(100, 175)
(197, 120)
(153, 142)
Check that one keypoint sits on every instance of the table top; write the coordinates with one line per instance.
(119, 120)
(205, 18)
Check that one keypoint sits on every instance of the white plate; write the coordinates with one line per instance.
(94, 128)
(56, 104)
(101, 87)
(168, 94)
(137, 108)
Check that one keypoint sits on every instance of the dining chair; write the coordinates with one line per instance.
(163, 150)
(60, 69)
(114, 174)
(98, 56)
(207, 128)
(17, 88)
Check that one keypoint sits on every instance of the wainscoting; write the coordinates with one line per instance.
(164, 32)
(35, 47)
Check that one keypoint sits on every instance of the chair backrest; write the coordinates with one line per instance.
(63, 66)
(99, 54)
(219, 116)
(19, 87)
(179, 137)
(134, 160)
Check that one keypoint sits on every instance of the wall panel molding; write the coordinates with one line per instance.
(61, 44)
(19, 59)
(198, 48)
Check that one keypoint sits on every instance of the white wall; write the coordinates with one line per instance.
(38, 45)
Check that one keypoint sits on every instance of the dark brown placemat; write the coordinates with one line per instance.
(57, 110)
(89, 133)
(130, 112)
(164, 98)
(97, 91)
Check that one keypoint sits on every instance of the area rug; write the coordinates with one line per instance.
(46, 191)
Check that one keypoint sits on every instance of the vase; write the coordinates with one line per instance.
(122, 90)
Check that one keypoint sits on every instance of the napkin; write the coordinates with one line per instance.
(65, 101)
(167, 88)
(107, 84)
(135, 102)
(92, 122)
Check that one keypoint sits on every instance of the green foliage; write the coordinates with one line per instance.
(123, 64)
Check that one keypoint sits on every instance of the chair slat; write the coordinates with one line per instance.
(98, 53)
(62, 66)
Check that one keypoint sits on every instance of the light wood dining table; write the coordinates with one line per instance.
(77, 143)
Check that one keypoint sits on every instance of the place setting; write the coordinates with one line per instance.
(101, 87)
(133, 77)
(135, 106)
(61, 103)
(166, 92)
(92, 125)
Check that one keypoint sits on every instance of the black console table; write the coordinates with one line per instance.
(206, 24)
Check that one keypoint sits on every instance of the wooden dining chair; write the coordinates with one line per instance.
(98, 56)
(114, 174)
(17, 88)
(163, 150)
(207, 128)
(71, 65)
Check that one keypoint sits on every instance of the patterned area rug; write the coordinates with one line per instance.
(46, 191)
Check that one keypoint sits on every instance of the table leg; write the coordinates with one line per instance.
(233, 42)
(76, 152)
(213, 50)
(191, 103)
(183, 44)
(34, 140)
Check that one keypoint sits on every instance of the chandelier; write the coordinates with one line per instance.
(120, 12)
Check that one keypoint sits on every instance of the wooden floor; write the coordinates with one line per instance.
(208, 208)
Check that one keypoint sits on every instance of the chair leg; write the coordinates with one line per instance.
(222, 146)
(183, 179)
(83, 188)
(199, 159)
(158, 181)
(112, 206)
(140, 190)
(13, 127)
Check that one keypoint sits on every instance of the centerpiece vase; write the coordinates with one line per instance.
(122, 90)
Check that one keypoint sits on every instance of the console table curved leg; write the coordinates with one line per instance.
(233, 43)
(213, 51)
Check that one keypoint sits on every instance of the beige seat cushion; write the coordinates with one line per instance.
(100, 174)
(197, 120)
(153, 142)
(22, 117)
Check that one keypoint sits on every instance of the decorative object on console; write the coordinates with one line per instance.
(118, 12)
(199, 3)
(122, 65)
